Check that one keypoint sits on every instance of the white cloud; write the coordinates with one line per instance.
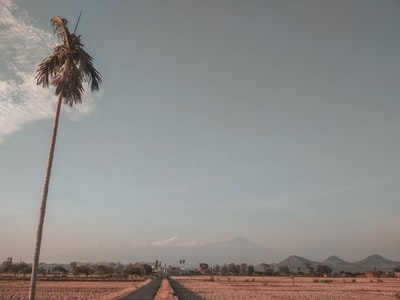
(95, 243)
(168, 242)
(22, 47)
(175, 242)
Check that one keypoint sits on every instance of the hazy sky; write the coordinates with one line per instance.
(274, 120)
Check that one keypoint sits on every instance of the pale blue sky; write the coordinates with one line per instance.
(274, 120)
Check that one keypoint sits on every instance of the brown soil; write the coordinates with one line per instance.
(165, 292)
(282, 288)
(49, 290)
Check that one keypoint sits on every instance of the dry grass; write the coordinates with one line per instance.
(304, 288)
(165, 291)
(63, 290)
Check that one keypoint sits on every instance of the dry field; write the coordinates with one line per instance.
(67, 290)
(300, 288)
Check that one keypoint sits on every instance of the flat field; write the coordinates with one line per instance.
(300, 288)
(63, 290)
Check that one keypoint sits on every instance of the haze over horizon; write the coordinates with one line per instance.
(271, 120)
(236, 250)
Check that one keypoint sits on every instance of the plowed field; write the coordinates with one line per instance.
(63, 290)
(300, 288)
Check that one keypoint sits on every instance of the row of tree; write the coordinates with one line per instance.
(101, 270)
(268, 270)
(112, 269)
(227, 269)
(264, 269)
(118, 270)
(15, 269)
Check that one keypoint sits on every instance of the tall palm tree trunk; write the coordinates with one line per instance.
(42, 212)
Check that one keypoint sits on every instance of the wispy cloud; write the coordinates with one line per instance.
(175, 242)
(22, 47)
(170, 242)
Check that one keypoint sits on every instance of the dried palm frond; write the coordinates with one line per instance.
(68, 67)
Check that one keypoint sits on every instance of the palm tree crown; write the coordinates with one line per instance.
(68, 67)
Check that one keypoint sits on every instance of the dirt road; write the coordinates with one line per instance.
(146, 292)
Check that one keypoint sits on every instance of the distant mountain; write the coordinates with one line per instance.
(337, 264)
(334, 260)
(297, 263)
(371, 263)
(378, 262)
(237, 250)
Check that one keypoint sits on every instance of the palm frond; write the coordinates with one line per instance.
(77, 22)
(60, 26)
(68, 67)
(50, 66)
(92, 76)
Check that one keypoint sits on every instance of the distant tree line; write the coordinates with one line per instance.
(265, 269)
(108, 270)
(227, 269)
(132, 270)
(15, 269)
(112, 269)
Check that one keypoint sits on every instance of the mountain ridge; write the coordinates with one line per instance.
(374, 262)
(237, 250)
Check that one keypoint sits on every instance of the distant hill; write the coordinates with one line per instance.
(237, 250)
(337, 264)
(378, 262)
(334, 260)
(371, 263)
(297, 263)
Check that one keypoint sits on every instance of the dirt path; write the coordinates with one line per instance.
(146, 292)
(165, 292)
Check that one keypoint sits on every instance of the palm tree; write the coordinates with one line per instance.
(67, 69)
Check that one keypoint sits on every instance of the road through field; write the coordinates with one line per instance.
(146, 292)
